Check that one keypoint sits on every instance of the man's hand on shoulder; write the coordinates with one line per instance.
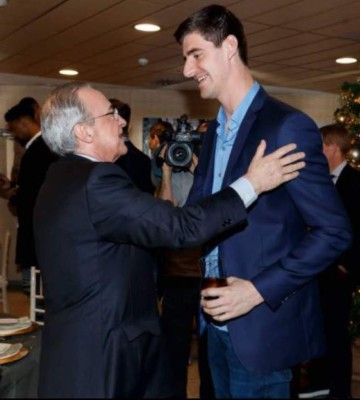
(268, 172)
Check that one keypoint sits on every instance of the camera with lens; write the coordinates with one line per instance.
(182, 144)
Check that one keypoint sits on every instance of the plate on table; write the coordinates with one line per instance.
(8, 321)
(9, 350)
(20, 352)
(16, 326)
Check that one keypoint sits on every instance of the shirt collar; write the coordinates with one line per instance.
(88, 157)
(32, 140)
(337, 171)
(239, 113)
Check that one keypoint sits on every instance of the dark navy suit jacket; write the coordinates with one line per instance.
(93, 231)
(292, 233)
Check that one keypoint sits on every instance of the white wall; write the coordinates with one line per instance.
(148, 103)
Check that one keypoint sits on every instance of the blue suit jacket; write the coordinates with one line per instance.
(292, 233)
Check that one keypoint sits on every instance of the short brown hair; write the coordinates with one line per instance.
(336, 134)
(215, 23)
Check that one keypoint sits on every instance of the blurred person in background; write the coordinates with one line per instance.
(8, 186)
(331, 375)
(158, 135)
(23, 124)
(179, 281)
(135, 163)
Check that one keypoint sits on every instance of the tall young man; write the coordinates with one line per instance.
(269, 313)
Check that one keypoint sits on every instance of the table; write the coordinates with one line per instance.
(19, 379)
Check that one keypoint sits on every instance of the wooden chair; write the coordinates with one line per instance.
(5, 256)
(37, 310)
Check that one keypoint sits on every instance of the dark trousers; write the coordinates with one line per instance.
(336, 300)
(180, 305)
(333, 371)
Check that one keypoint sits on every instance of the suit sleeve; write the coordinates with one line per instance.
(122, 213)
(328, 231)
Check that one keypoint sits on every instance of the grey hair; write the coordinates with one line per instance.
(61, 112)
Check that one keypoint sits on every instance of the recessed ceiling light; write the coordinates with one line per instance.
(143, 61)
(68, 72)
(147, 27)
(346, 60)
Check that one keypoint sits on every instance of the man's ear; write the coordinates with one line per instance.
(231, 45)
(83, 132)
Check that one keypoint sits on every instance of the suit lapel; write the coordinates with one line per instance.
(236, 165)
(208, 152)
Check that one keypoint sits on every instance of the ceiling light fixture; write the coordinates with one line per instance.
(143, 61)
(68, 72)
(3, 3)
(346, 60)
(147, 27)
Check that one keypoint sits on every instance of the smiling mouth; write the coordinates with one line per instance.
(201, 79)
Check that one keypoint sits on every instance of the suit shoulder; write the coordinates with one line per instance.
(39, 147)
(275, 110)
(355, 173)
(281, 109)
(275, 114)
(106, 169)
(349, 178)
(75, 162)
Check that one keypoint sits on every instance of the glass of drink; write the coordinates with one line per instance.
(212, 274)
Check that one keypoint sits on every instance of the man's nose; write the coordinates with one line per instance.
(188, 70)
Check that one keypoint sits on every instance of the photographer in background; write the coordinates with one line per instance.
(179, 151)
(179, 277)
(157, 136)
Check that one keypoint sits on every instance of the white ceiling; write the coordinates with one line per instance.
(292, 43)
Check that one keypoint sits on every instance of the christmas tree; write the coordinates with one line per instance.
(349, 115)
